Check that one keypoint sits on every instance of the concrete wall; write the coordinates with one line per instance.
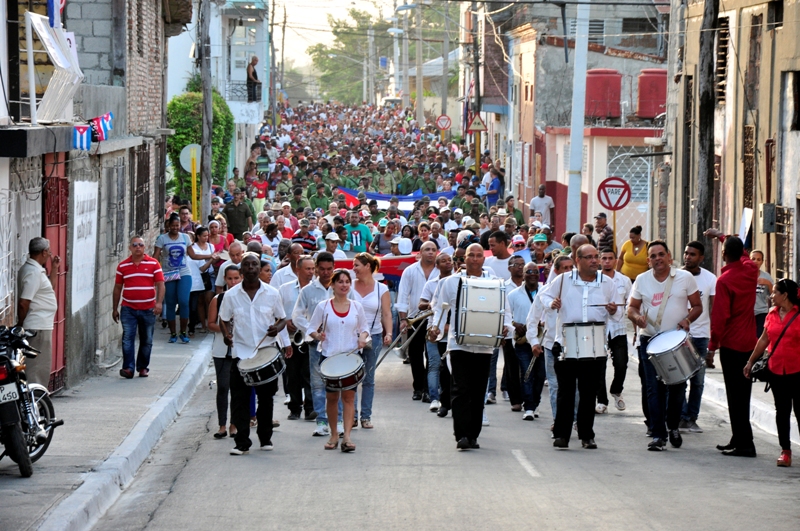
(91, 22)
(96, 100)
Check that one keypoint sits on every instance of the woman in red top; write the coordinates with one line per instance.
(260, 187)
(784, 363)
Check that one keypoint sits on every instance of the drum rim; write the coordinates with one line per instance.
(461, 335)
(591, 323)
(358, 367)
(270, 362)
(686, 337)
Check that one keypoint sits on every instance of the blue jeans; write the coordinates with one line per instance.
(664, 403)
(434, 362)
(132, 321)
(493, 372)
(691, 407)
(531, 388)
(552, 380)
(177, 293)
(370, 357)
(317, 384)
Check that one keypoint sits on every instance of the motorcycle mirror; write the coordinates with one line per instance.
(18, 331)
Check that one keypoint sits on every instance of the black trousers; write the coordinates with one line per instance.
(619, 358)
(583, 373)
(469, 380)
(786, 392)
(417, 356)
(737, 391)
(299, 376)
(444, 377)
(511, 373)
(240, 408)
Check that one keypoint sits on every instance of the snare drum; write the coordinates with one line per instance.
(673, 356)
(584, 340)
(342, 372)
(265, 366)
(481, 316)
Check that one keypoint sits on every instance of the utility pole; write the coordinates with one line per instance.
(205, 135)
(395, 54)
(406, 80)
(283, 45)
(476, 89)
(371, 64)
(364, 80)
(420, 107)
(578, 111)
(445, 58)
(273, 71)
(705, 118)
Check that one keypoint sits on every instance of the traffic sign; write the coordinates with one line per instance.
(186, 156)
(614, 193)
(444, 122)
(477, 125)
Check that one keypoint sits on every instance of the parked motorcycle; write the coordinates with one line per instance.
(27, 417)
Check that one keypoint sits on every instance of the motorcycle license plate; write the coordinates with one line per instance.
(8, 393)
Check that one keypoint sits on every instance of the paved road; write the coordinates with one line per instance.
(407, 474)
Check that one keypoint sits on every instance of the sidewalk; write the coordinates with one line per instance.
(110, 426)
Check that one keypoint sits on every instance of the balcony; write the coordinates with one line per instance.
(237, 91)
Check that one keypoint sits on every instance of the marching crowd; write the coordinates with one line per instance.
(260, 270)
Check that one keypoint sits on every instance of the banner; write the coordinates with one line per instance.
(406, 202)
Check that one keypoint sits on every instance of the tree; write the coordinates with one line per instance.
(185, 115)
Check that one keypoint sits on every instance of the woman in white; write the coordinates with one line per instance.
(374, 298)
(345, 330)
(201, 270)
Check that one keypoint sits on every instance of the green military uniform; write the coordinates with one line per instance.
(456, 202)
(427, 187)
(300, 203)
(284, 186)
(377, 217)
(312, 191)
(320, 202)
(518, 216)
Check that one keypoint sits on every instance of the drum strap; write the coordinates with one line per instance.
(664, 300)
(458, 307)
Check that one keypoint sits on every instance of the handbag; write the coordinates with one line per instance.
(760, 370)
(175, 274)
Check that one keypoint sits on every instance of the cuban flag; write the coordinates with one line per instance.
(108, 122)
(82, 137)
(405, 203)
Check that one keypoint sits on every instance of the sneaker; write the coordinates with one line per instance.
(321, 430)
(589, 444)
(435, 405)
(675, 438)
(683, 426)
(287, 400)
(601, 409)
(506, 397)
(239, 451)
(485, 421)
(340, 428)
(536, 413)
(174, 339)
(267, 447)
(694, 428)
(657, 445)
(184, 338)
(490, 399)
(528, 415)
(619, 403)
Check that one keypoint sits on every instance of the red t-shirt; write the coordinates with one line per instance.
(262, 189)
(287, 233)
(139, 282)
(786, 360)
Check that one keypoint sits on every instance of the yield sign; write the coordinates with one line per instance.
(443, 122)
(614, 193)
(477, 125)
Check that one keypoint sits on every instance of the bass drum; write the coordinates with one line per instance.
(482, 312)
(342, 372)
(265, 366)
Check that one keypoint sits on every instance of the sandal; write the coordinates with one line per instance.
(348, 447)
(253, 422)
(366, 424)
(332, 446)
(221, 434)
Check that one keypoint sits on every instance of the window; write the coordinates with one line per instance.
(636, 171)
(597, 29)
(723, 40)
(638, 25)
(584, 165)
(791, 100)
(775, 15)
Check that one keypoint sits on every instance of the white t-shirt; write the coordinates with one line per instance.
(543, 205)
(706, 284)
(372, 309)
(499, 266)
(651, 292)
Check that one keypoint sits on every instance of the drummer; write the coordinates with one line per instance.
(582, 296)
(259, 319)
(340, 326)
(645, 310)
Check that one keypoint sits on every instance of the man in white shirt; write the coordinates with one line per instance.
(332, 246)
(498, 262)
(260, 317)
(588, 297)
(544, 204)
(438, 374)
(700, 330)
(648, 311)
(235, 253)
(469, 363)
(617, 336)
(288, 272)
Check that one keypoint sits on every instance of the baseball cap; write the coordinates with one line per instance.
(405, 246)
(517, 239)
(383, 222)
(484, 166)
(333, 237)
(458, 211)
(540, 238)
(509, 198)
(237, 190)
(396, 239)
(298, 191)
(361, 195)
(343, 212)
(341, 197)
(502, 212)
(601, 215)
(305, 223)
(466, 221)
(276, 206)
(425, 199)
(216, 200)
(476, 201)
(433, 216)
(444, 209)
(286, 204)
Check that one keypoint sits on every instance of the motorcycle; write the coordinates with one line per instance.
(27, 417)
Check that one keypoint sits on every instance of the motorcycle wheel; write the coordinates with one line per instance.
(18, 450)
(46, 415)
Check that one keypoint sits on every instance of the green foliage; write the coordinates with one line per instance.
(194, 84)
(185, 115)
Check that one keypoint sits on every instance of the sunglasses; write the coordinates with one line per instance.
(459, 258)
(519, 246)
(137, 244)
(530, 272)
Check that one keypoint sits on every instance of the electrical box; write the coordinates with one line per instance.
(766, 216)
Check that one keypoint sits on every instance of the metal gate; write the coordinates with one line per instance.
(56, 210)
(638, 174)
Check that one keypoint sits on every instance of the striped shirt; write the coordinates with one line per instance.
(139, 282)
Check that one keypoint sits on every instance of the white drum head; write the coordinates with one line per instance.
(340, 365)
(264, 356)
(666, 341)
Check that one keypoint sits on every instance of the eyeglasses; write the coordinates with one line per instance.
(137, 244)
(458, 259)
(516, 265)
(519, 246)
(530, 272)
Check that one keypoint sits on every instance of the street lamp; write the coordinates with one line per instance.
(363, 73)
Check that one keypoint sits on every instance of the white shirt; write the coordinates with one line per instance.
(289, 293)
(450, 225)
(499, 266)
(707, 286)
(543, 205)
(338, 254)
(520, 304)
(411, 284)
(581, 301)
(651, 292)
(251, 318)
(541, 313)
(341, 333)
(441, 240)
(449, 250)
(623, 286)
(429, 293)
(34, 285)
(282, 276)
(372, 307)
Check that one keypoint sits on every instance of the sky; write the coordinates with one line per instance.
(307, 23)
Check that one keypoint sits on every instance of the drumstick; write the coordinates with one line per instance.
(604, 305)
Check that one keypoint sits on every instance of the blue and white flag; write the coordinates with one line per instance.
(82, 137)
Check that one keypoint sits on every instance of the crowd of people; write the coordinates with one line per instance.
(261, 270)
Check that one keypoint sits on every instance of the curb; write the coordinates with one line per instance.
(101, 487)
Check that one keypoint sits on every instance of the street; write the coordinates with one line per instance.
(407, 474)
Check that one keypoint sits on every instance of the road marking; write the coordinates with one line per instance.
(526, 464)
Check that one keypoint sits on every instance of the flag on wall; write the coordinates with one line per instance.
(108, 125)
(82, 137)
(98, 130)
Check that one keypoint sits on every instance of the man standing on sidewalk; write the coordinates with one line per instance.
(701, 330)
(140, 285)
(733, 330)
(37, 305)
